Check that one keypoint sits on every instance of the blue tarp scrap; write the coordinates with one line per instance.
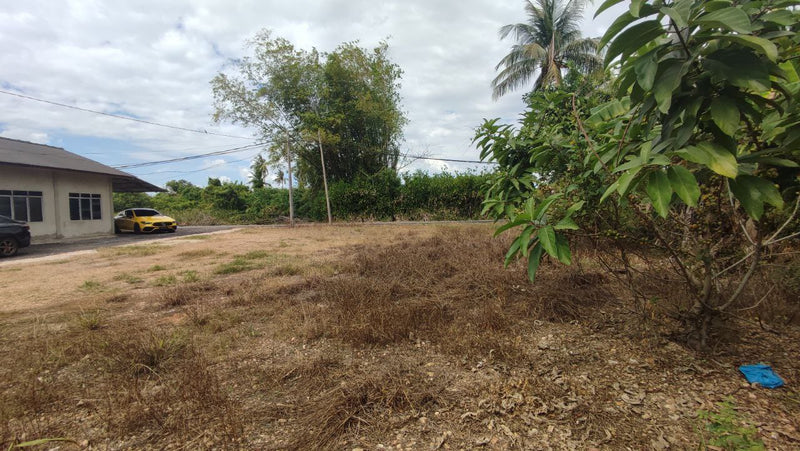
(762, 375)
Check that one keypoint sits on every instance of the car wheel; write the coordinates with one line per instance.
(8, 247)
(136, 229)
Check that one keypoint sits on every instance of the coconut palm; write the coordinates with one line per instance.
(547, 43)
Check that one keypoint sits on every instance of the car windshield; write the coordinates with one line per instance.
(145, 212)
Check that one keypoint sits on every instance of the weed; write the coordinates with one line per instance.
(90, 320)
(136, 250)
(155, 268)
(128, 278)
(238, 264)
(91, 285)
(728, 429)
(286, 270)
(119, 297)
(190, 276)
(197, 253)
(196, 237)
(184, 294)
(166, 280)
(255, 255)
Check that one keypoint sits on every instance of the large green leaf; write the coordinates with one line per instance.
(512, 251)
(731, 18)
(725, 114)
(684, 184)
(761, 45)
(566, 224)
(605, 5)
(667, 82)
(739, 67)
(609, 110)
(716, 157)
(633, 38)
(646, 68)
(533, 261)
(562, 248)
(625, 180)
(752, 192)
(660, 192)
(547, 236)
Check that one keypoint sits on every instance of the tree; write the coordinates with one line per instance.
(548, 43)
(699, 146)
(258, 172)
(347, 100)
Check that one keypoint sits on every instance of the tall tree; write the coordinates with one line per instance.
(549, 42)
(258, 172)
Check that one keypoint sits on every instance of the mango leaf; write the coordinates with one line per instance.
(717, 158)
(575, 207)
(611, 189)
(525, 239)
(518, 221)
(725, 114)
(566, 224)
(562, 247)
(676, 16)
(752, 192)
(607, 111)
(547, 236)
(739, 67)
(544, 206)
(512, 251)
(684, 184)
(660, 192)
(754, 42)
(669, 80)
(780, 17)
(646, 67)
(533, 261)
(635, 6)
(772, 161)
(605, 5)
(633, 38)
(731, 18)
(625, 180)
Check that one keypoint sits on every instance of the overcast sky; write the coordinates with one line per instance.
(153, 60)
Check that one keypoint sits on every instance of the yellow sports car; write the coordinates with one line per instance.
(138, 220)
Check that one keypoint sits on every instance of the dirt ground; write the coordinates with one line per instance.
(365, 337)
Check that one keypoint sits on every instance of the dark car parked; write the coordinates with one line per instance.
(13, 235)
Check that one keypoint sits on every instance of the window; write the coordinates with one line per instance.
(84, 206)
(21, 205)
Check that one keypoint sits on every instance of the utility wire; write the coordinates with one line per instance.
(190, 157)
(117, 116)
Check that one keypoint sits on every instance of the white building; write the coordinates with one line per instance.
(58, 193)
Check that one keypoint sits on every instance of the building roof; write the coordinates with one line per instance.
(23, 153)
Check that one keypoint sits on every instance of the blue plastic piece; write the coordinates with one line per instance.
(762, 375)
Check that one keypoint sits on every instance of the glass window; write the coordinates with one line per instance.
(35, 204)
(86, 209)
(96, 208)
(21, 208)
(75, 209)
(5, 206)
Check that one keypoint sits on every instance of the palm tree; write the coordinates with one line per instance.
(548, 42)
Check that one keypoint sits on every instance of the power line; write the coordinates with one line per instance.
(117, 116)
(190, 157)
(198, 170)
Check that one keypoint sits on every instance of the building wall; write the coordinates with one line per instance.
(55, 186)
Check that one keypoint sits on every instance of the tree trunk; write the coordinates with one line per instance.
(291, 200)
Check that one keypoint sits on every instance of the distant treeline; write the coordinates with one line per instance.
(383, 196)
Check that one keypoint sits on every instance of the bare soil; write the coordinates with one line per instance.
(390, 337)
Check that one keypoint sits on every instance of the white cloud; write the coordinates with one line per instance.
(154, 60)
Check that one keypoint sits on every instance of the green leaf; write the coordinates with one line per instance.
(547, 236)
(731, 18)
(739, 67)
(660, 192)
(575, 207)
(684, 184)
(725, 114)
(633, 38)
(566, 224)
(753, 192)
(544, 206)
(607, 111)
(611, 189)
(625, 180)
(676, 17)
(533, 261)
(635, 6)
(772, 161)
(719, 159)
(780, 17)
(668, 81)
(762, 45)
(562, 246)
(512, 251)
(525, 239)
(646, 68)
(606, 4)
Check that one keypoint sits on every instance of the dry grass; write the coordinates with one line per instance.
(427, 342)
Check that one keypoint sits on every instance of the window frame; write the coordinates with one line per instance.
(85, 207)
(21, 200)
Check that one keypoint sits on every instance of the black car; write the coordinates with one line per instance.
(13, 235)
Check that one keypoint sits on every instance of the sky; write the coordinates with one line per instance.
(153, 61)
